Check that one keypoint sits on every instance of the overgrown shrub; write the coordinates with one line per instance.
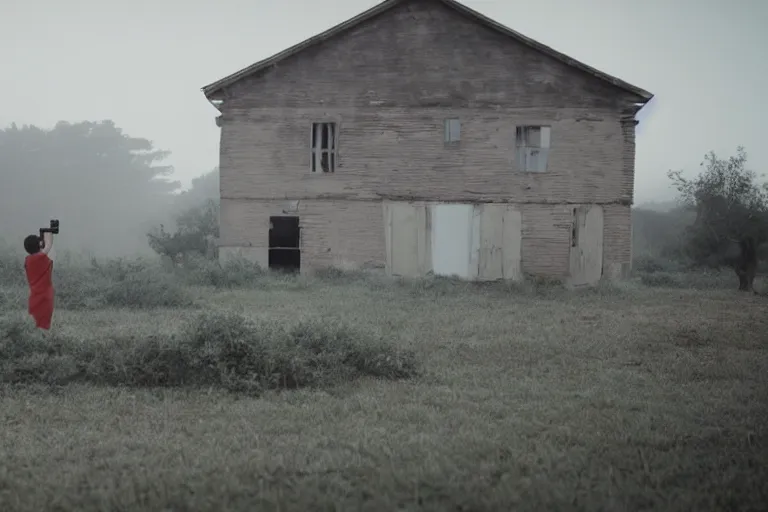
(11, 267)
(12, 297)
(118, 283)
(218, 349)
(130, 283)
(234, 273)
(197, 228)
(80, 285)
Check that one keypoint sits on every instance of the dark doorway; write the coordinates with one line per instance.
(284, 237)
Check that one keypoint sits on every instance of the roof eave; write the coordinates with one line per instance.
(642, 104)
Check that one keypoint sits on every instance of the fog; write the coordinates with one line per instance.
(141, 65)
(107, 189)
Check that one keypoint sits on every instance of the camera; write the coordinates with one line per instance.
(54, 228)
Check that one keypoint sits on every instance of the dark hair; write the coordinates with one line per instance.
(32, 244)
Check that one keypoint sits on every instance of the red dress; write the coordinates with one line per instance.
(39, 268)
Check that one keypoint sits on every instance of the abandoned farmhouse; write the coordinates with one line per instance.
(423, 137)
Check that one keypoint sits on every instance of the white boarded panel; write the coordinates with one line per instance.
(424, 244)
(586, 265)
(474, 249)
(402, 239)
(512, 244)
(451, 240)
(491, 258)
(387, 211)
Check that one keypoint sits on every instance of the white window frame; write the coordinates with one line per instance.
(452, 131)
(530, 155)
(316, 151)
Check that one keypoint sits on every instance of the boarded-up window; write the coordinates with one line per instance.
(452, 130)
(532, 148)
(324, 156)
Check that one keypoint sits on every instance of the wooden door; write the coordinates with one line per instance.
(586, 258)
(407, 243)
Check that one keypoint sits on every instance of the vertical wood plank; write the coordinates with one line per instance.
(512, 243)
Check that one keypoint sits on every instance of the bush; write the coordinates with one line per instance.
(235, 273)
(12, 297)
(196, 229)
(25, 355)
(138, 284)
(218, 349)
(129, 283)
(11, 267)
(79, 285)
(146, 289)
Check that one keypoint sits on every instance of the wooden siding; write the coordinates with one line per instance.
(344, 234)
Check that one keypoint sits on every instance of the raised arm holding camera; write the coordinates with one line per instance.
(39, 269)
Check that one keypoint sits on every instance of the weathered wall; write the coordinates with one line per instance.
(350, 234)
(390, 83)
(617, 244)
(400, 153)
(421, 54)
(344, 234)
(546, 239)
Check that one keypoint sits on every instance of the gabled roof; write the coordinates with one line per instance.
(473, 15)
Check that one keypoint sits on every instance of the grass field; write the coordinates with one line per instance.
(453, 397)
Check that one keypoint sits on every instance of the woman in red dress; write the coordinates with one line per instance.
(39, 269)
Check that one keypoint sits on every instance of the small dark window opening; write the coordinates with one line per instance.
(324, 143)
(284, 244)
(575, 228)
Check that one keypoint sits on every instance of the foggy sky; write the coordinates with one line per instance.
(142, 64)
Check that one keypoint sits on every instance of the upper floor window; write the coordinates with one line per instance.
(532, 148)
(452, 131)
(324, 155)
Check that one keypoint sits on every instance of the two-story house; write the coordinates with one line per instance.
(423, 137)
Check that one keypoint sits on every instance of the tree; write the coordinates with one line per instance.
(202, 189)
(105, 186)
(657, 234)
(195, 215)
(197, 230)
(730, 207)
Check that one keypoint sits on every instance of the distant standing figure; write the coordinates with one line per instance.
(746, 267)
(39, 268)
